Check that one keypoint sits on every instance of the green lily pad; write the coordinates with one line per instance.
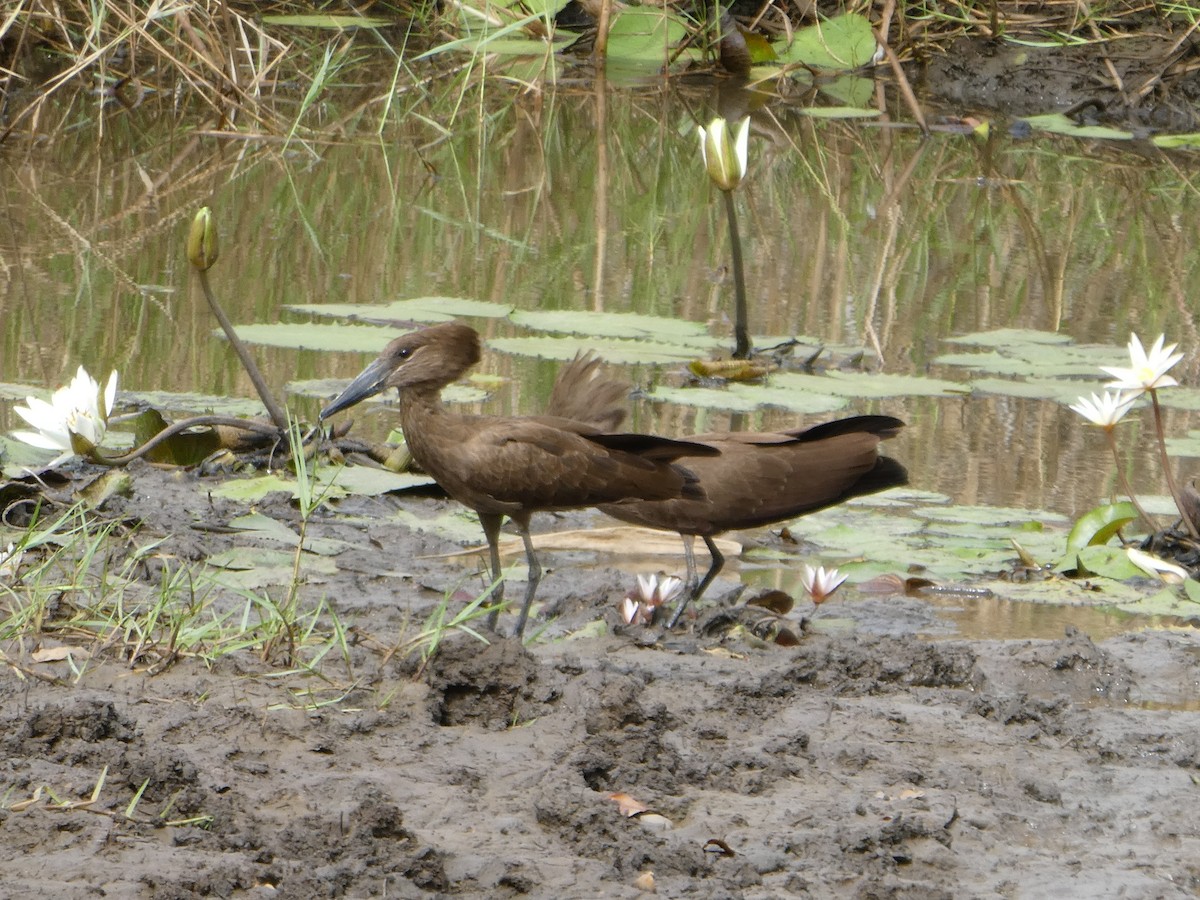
(1167, 601)
(331, 482)
(642, 37)
(852, 91)
(1009, 337)
(312, 336)
(839, 112)
(1103, 561)
(864, 385)
(1058, 390)
(418, 309)
(1057, 123)
(841, 43)
(265, 528)
(196, 403)
(744, 398)
(617, 325)
(610, 350)
(1097, 526)
(1177, 141)
(1184, 446)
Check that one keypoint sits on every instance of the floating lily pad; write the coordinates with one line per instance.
(839, 112)
(312, 336)
(331, 482)
(1177, 141)
(418, 309)
(744, 398)
(864, 385)
(610, 350)
(617, 325)
(642, 37)
(1061, 390)
(841, 43)
(1184, 446)
(1009, 337)
(196, 403)
(1057, 123)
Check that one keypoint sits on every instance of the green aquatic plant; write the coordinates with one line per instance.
(1146, 374)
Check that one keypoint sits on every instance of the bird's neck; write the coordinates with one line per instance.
(427, 425)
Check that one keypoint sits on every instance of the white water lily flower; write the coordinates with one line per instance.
(725, 157)
(1104, 410)
(1147, 371)
(75, 419)
(820, 583)
(10, 562)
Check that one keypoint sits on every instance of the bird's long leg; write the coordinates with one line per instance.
(714, 568)
(689, 557)
(535, 575)
(491, 529)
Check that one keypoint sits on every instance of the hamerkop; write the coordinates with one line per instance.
(504, 466)
(758, 478)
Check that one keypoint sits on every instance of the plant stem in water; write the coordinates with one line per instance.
(741, 332)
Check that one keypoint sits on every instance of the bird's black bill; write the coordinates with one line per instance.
(369, 382)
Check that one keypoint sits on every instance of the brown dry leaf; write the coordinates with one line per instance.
(58, 654)
(882, 584)
(645, 882)
(785, 637)
(627, 805)
(914, 586)
(775, 600)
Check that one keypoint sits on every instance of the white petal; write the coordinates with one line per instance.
(742, 144)
(42, 440)
(110, 394)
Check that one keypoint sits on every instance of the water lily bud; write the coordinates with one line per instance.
(202, 250)
(725, 154)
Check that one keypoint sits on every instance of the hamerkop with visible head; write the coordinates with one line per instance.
(758, 478)
(503, 466)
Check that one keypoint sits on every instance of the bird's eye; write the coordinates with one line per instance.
(405, 352)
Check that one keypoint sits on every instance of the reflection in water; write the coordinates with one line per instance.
(861, 235)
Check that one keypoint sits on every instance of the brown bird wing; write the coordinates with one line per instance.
(762, 477)
(506, 466)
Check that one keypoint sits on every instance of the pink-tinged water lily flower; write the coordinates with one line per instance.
(1104, 410)
(725, 155)
(75, 419)
(1147, 371)
(820, 583)
(638, 606)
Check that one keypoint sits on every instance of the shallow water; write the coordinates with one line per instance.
(859, 235)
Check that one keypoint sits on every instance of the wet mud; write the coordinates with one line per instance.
(868, 761)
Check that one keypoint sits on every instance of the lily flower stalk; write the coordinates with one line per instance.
(1146, 374)
(725, 157)
(1105, 411)
(74, 421)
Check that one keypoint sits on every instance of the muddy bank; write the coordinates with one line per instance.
(870, 763)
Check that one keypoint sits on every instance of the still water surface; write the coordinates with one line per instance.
(854, 234)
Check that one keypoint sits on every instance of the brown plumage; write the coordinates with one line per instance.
(757, 479)
(504, 466)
